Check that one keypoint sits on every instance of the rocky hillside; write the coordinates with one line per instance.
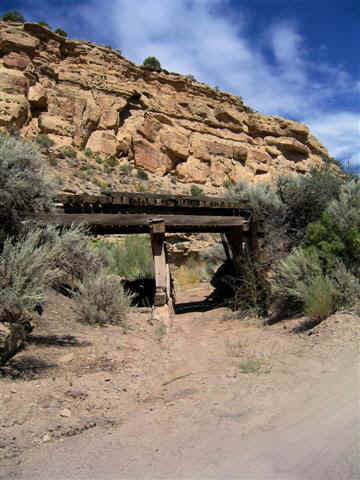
(104, 122)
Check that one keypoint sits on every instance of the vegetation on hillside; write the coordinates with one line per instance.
(16, 16)
(13, 16)
(34, 259)
(311, 246)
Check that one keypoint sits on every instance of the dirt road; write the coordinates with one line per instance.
(299, 421)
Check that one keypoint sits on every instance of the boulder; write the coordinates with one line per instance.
(18, 61)
(260, 125)
(297, 129)
(37, 96)
(14, 40)
(55, 124)
(109, 120)
(226, 114)
(14, 110)
(150, 128)
(42, 32)
(175, 143)
(193, 171)
(146, 155)
(316, 147)
(256, 158)
(288, 144)
(103, 141)
(13, 81)
(86, 119)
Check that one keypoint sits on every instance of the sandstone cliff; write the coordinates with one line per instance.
(89, 98)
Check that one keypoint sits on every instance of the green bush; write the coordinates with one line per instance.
(126, 168)
(112, 162)
(101, 300)
(44, 24)
(142, 175)
(305, 198)
(61, 32)
(336, 236)
(196, 191)
(152, 63)
(88, 152)
(69, 152)
(13, 16)
(228, 183)
(130, 258)
(44, 141)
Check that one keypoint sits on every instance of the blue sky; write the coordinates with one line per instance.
(294, 58)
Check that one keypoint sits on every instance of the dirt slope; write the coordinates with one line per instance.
(190, 404)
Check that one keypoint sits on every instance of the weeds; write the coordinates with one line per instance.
(253, 365)
(160, 331)
(130, 258)
(69, 152)
(44, 141)
(188, 274)
(126, 168)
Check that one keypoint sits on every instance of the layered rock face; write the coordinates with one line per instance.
(91, 98)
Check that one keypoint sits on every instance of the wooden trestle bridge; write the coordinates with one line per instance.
(155, 214)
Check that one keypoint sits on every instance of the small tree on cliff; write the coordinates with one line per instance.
(13, 16)
(152, 63)
(61, 32)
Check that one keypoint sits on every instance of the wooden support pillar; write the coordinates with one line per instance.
(157, 230)
(235, 239)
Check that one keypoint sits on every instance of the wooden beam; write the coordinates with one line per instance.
(160, 268)
(139, 220)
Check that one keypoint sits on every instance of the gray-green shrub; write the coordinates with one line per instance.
(24, 182)
(101, 300)
(319, 300)
(293, 276)
(27, 268)
(74, 256)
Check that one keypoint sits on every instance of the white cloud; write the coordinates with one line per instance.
(340, 132)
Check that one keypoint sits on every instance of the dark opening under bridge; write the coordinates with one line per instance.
(156, 214)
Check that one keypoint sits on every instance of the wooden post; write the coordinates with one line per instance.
(157, 229)
(235, 238)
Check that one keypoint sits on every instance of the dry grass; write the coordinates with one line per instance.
(188, 274)
(245, 359)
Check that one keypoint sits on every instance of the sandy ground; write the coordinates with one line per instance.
(187, 403)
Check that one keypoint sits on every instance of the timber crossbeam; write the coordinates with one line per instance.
(108, 223)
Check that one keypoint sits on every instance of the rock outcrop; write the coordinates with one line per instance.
(91, 99)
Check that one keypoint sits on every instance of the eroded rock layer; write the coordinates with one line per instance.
(88, 98)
